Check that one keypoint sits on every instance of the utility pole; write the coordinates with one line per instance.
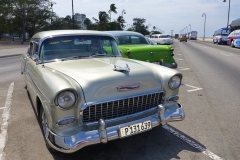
(72, 15)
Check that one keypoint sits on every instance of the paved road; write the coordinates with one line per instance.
(218, 71)
(209, 96)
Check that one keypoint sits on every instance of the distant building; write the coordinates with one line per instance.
(80, 18)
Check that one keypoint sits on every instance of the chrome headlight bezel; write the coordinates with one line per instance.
(175, 81)
(71, 94)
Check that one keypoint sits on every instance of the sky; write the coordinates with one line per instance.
(166, 15)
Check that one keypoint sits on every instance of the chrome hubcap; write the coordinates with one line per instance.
(44, 123)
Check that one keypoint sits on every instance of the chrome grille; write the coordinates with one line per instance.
(123, 107)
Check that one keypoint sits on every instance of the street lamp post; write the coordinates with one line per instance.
(123, 11)
(204, 25)
(72, 16)
(187, 31)
(228, 11)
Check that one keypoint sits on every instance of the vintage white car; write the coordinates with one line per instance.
(161, 39)
(85, 93)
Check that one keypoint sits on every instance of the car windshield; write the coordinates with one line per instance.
(150, 42)
(80, 46)
(128, 39)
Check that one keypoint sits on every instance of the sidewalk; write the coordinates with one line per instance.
(206, 39)
(8, 50)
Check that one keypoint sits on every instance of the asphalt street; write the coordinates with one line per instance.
(209, 95)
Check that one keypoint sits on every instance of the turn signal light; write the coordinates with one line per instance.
(172, 51)
(128, 51)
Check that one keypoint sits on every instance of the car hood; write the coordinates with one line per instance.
(99, 81)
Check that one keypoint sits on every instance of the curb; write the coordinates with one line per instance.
(13, 55)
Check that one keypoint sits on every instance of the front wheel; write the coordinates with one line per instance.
(43, 124)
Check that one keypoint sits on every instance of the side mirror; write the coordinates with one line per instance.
(35, 57)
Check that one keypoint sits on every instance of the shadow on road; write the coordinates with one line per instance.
(157, 143)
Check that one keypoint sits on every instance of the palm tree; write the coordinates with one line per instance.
(102, 21)
(120, 20)
(112, 9)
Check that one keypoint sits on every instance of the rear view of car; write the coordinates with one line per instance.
(183, 38)
(233, 36)
(237, 43)
(221, 36)
(162, 39)
(134, 45)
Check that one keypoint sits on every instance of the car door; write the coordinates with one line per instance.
(30, 70)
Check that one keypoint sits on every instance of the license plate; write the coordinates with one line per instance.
(135, 128)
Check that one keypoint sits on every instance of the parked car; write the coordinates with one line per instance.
(232, 36)
(221, 36)
(183, 38)
(135, 46)
(150, 41)
(162, 39)
(236, 42)
(176, 36)
(84, 93)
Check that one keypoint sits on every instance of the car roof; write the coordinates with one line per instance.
(122, 33)
(45, 34)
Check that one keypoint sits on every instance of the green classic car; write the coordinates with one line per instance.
(84, 92)
(134, 45)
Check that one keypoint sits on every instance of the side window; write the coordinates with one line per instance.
(36, 49)
(135, 40)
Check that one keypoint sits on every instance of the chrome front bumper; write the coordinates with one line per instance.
(104, 134)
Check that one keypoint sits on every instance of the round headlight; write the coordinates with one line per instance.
(66, 99)
(174, 82)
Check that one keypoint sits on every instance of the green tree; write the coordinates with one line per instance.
(37, 21)
(25, 9)
(6, 17)
(121, 22)
(112, 9)
(88, 23)
(156, 32)
(102, 21)
(61, 24)
(138, 26)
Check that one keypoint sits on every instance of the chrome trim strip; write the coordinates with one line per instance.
(172, 96)
(138, 95)
(73, 143)
(66, 118)
(123, 117)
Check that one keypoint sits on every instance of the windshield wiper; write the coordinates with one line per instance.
(74, 57)
(103, 55)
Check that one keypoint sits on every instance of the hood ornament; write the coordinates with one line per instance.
(128, 88)
(121, 69)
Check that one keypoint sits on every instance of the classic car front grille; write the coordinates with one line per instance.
(123, 107)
